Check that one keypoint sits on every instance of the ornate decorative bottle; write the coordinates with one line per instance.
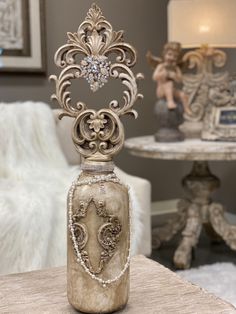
(98, 203)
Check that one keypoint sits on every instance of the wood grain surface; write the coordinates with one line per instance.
(154, 290)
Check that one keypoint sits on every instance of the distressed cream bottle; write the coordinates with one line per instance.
(84, 292)
(98, 203)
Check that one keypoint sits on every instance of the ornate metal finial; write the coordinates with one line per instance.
(97, 135)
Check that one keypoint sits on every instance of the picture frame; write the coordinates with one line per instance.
(22, 36)
(220, 124)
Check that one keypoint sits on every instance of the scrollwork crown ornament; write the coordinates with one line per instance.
(206, 62)
(97, 135)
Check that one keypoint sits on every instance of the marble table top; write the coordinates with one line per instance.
(192, 149)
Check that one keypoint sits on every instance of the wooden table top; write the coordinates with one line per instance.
(190, 149)
(154, 290)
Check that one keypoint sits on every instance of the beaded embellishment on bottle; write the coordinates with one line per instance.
(79, 233)
(97, 53)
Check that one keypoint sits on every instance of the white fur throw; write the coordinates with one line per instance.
(219, 278)
(34, 180)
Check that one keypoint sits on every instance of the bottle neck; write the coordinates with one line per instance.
(94, 167)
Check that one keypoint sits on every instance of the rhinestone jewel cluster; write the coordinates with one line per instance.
(95, 69)
(95, 179)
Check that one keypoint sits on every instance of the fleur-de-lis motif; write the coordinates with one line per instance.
(88, 54)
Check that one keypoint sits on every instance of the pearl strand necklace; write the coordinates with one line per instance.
(94, 180)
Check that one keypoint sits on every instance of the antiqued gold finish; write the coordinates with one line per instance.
(98, 203)
(98, 135)
(108, 233)
(197, 86)
(205, 61)
(98, 243)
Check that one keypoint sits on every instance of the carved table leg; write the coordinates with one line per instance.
(191, 233)
(221, 226)
(174, 225)
(199, 185)
(193, 212)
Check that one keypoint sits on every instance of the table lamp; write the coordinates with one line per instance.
(206, 25)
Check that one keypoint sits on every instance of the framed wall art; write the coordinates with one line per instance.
(22, 30)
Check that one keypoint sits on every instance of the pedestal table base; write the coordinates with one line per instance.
(195, 211)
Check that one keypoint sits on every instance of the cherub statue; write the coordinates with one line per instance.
(168, 76)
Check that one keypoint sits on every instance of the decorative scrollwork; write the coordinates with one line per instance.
(197, 85)
(95, 36)
(88, 54)
(98, 134)
(81, 235)
(204, 59)
(108, 234)
(194, 59)
(62, 95)
(131, 95)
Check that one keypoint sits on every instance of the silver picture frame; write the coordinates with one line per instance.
(220, 118)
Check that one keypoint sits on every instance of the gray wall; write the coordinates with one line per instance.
(145, 24)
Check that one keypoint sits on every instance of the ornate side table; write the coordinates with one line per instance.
(197, 209)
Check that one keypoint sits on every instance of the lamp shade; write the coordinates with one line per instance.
(197, 22)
